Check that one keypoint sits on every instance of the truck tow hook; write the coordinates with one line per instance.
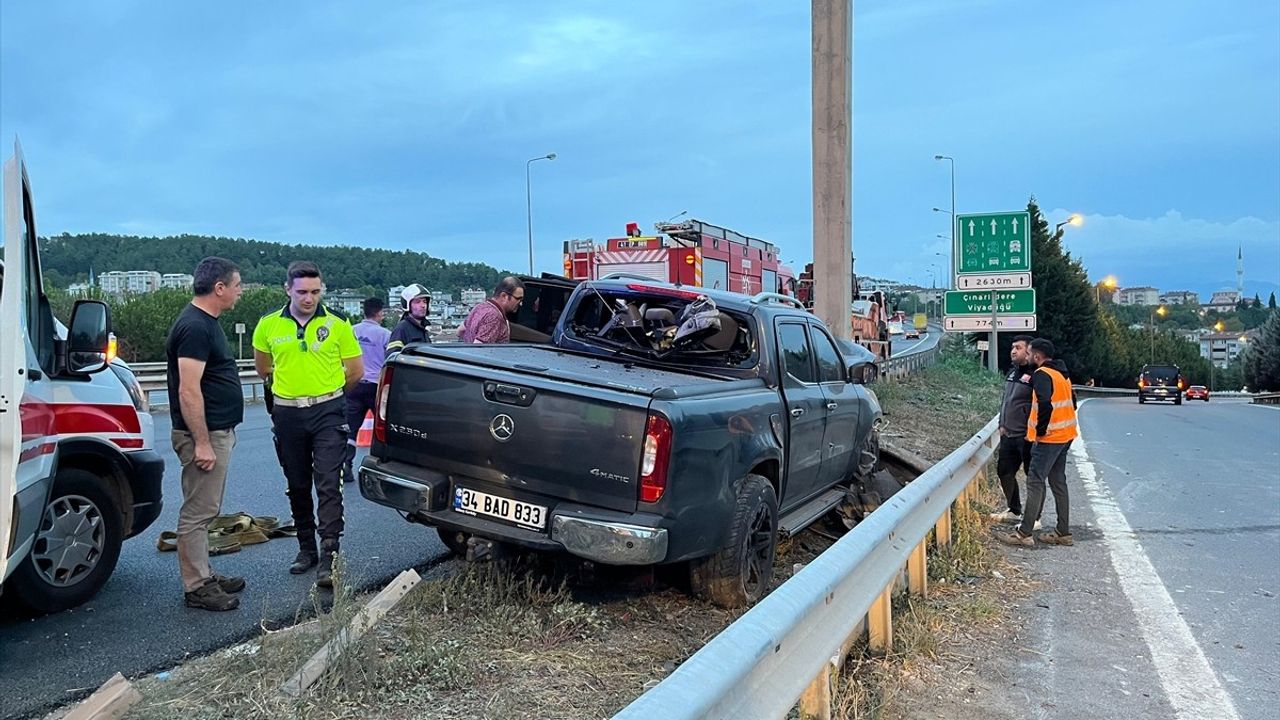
(484, 550)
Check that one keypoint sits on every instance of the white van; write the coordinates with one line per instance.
(78, 468)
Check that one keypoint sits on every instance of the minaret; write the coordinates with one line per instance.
(1240, 271)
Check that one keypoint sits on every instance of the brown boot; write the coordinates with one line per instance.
(1051, 537)
(211, 596)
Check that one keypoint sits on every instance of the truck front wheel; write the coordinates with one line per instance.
(76, 546)
(740, 572)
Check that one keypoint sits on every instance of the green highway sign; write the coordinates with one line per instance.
(993, 243)
(978, 302)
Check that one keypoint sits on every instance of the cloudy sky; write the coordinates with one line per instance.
(409, 126)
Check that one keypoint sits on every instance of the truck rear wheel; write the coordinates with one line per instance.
(76, 546)
(740, 572)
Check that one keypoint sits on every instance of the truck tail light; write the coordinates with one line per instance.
(1179, 383)
(656, 458)
(380, 417)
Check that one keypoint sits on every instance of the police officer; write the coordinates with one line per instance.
(310, 354)
(415, 300)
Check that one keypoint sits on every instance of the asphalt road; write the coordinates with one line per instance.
(1167, 604)
(138, 623)
(1200, 486)
(928, 339)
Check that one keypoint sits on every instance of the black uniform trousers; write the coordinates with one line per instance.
(1014, 453)
(359, 403)
(312, 445)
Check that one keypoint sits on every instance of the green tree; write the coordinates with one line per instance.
(1271, 301)
(1261, 358)
(1065, 305)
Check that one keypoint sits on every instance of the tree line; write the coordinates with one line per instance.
(66, 259)
(1098, 343)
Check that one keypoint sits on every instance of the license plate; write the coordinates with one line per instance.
(474, 502)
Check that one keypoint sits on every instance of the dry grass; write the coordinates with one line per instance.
(533, 638)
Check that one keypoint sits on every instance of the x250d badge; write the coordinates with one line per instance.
(502, 427)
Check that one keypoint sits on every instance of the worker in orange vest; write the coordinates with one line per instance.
(1051, 427)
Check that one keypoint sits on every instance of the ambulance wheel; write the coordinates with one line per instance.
(76, 546)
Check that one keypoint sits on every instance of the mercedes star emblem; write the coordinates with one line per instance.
(502, 427)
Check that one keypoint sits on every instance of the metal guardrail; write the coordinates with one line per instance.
(902, 366)
(786, 646)
(1267, 399)
(1085, 391)
(154, 377)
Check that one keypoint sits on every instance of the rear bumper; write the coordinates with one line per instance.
(1159, 393)
(146, 476)
(605, 536)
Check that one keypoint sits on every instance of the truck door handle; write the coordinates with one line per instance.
(832, 406)
(797, 412)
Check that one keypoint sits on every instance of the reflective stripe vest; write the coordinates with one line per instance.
(1062, 422)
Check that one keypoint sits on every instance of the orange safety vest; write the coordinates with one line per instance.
(1062, 422)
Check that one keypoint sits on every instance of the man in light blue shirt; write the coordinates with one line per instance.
(373, 342)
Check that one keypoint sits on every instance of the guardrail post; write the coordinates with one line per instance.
(918, 571)
(815, 703)
(880, 623)
(942, 529)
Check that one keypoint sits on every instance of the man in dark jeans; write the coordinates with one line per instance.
(1015, 450)
(373, 343)
(1052, 427)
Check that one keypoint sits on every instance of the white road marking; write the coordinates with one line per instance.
(1189, 682)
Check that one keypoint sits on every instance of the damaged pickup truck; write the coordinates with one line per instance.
(656, 425)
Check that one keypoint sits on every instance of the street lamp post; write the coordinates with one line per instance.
(952, 161)
(1109, 282)
(528, 201)
(1076, 220)
(951, 248)
(1218, 326)
(1158, 311)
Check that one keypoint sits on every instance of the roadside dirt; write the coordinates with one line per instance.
(546, 639)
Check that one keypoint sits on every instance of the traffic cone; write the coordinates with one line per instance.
(364, 438)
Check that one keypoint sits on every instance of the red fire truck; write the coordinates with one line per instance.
(691, 252)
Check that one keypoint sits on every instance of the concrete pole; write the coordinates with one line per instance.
(833, 163)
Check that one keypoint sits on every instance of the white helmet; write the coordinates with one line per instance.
(410, 293)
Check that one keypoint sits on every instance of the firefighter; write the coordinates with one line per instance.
(415, 301)
(311, 355)
(1051, 427)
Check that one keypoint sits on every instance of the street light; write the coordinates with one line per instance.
(528, 202)
(1158, 311)
(952, 162)
(1076, 220)
(1109, 282)
(1218, 326)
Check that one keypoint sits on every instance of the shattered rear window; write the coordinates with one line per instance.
(679, 327)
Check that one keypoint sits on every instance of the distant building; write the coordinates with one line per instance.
(1180, 297)
(1137, 296)
(440, 298)
(472, 296)
(119, 282)
(348, 301)
(1223, 301)
(1222, 348)
(79, 288)
(393, 299)
(182, 281)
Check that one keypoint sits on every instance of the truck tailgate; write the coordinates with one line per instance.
(493, 417)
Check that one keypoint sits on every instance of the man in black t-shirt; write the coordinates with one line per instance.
(206, 404)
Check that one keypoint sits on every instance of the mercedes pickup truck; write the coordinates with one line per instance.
(653, 424)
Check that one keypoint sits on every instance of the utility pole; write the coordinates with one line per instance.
(833, 163)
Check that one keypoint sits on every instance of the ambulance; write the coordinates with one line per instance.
(79, 472)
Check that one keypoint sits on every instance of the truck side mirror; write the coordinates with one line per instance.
(863, 373)
(89, 338)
